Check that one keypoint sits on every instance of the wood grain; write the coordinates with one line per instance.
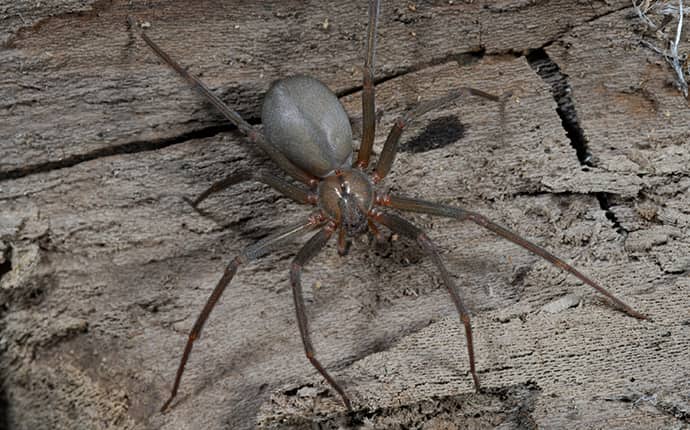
(104, 267)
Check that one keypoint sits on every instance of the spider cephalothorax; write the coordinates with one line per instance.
(347, 196)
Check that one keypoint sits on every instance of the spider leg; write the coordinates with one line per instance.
(296, 193)
(368, 93)
(404, 227)
(254, 135)
(390, 148)
(415, 205)
(252, 252)
(378, 236)
(308, 251)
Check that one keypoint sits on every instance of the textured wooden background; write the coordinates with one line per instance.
(104, 267)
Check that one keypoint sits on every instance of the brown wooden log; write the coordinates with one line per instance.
(104, 267)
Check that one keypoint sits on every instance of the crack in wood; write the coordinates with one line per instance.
(463, 59)
(5, 260)
(674, 410)
(4, 409)
(126, 148)
(561, 91)
(513, 404)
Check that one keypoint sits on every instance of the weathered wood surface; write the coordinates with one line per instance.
(103, 266)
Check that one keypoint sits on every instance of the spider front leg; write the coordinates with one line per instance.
(250, 253)
(308, 251)
(254, 135)
(404, 227)
(415, 205)
(368, 92)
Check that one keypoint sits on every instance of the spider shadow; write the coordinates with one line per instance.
(471, 282)
(230, 366)
(239, 225)
(380, 295)
(438, 133)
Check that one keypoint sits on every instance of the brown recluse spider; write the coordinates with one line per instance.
(308, 135)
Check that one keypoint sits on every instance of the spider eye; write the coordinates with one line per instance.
(345, 187)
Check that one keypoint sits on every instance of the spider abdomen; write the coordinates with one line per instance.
(308, 124)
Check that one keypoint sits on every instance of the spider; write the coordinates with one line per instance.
(308, 135)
